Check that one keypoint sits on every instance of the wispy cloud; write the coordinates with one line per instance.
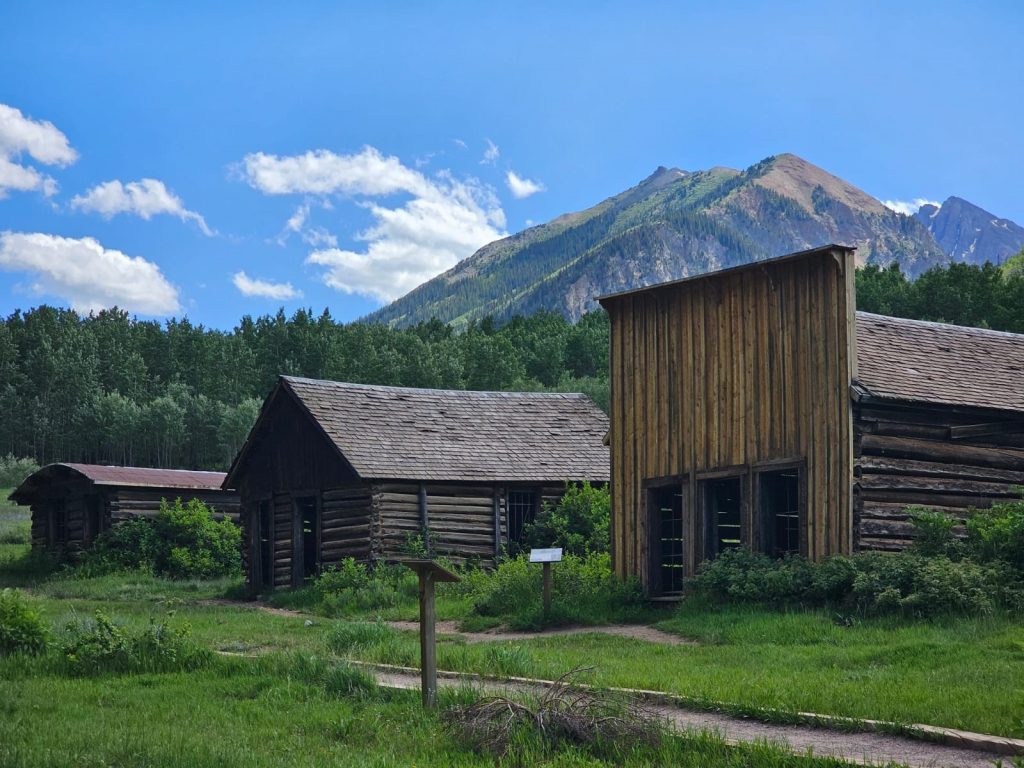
(249, 286)
(311, 234)
(40, 140)
(491, 154)
(909, 207)
(145, 198)
(520, 187)
(441, 221)
(87, 275)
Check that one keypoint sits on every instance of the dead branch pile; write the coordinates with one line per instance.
(566, 714)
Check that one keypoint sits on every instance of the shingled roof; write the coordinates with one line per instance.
(133, 477)
(432, 434)
(914, 360)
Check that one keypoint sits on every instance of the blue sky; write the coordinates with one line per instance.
(227, 160)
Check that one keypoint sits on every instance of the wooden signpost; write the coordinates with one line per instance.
(429, 573)
(546, 557)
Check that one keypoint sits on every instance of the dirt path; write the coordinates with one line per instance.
(855, 747)
(635, 631)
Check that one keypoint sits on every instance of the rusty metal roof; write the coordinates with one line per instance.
(433, 434)
(129, 477)
(918, 361)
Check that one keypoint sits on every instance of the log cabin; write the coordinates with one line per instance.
(333, 470)
(73, 503)
(756, 407)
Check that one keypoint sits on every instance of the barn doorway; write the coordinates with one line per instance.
(93, 517)
(265, 528)
(307, 539)
(780, 505)
(668, 539)
(723, 514)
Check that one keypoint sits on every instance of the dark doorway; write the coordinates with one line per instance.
(309, 520)
(93, 517)
(779, 496)
(265, 511)
(723, 514)
(668, 552)
(58, 524)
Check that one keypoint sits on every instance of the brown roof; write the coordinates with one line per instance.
(914, 360)
(133, 477)
(433, 434)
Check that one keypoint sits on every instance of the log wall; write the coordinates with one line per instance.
(725, 372)
(947, 459)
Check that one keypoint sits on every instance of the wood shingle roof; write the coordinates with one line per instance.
(914, 360)
(431, 434)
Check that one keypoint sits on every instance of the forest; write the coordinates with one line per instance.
(109, 388)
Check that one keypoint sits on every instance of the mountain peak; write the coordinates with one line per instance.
(791, 176)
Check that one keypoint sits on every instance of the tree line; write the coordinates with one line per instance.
(109, 388)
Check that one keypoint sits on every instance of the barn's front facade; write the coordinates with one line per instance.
(73, 503)
(334, 470)
(755, 407)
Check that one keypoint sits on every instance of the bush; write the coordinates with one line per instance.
(100, 645)
(584, 590)
(183, 541)
(352, 587)
(21, 627)
(997, 534)
(934, 533)
(906, 584)
(13, 470)
(578, 523)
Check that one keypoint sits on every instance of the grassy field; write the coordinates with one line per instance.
(267, 711)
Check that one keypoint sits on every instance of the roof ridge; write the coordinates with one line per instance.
(459, 392)
(940, 326)
(128, 466)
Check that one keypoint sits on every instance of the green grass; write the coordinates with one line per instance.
(15, 521)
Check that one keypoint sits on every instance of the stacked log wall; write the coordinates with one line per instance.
(282, 540)
(346, 522)
(942, 458)
(126, 503)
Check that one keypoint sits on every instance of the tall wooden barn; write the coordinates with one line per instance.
(333, 470)
(755, 407)
(72, 503)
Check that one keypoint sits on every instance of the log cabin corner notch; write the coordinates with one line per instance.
(334, 470)
(755, 407)
(73, 503)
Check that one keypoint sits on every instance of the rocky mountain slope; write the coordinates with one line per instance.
(971, 234)
(672, 224)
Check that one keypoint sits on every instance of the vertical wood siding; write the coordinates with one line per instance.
(730, 371)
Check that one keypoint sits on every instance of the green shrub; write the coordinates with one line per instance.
(997, 534)
(351, 587)
(100, 645)
(584, 590)
(183, 541)
(21, 627)
(934, 533)
(578, 523)
(13, 470)
(906, 584)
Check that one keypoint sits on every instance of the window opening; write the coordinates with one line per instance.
(724, 513)
(780, 512)
(667, 509)
(522, 509)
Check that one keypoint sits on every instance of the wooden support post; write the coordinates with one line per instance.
(428, 647)
(424, 519)
(497, 521)
(546, 575)
(429, 573)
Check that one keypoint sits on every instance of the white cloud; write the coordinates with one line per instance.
(41, 140)
(250, 286)
(443, 220)
(520, 187)
(491, 154)
(145, 198)
(298, 223)
(909, 207)
(87, 275)
(460, 143)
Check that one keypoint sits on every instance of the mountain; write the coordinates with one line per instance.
(971, 234)
(672, 224)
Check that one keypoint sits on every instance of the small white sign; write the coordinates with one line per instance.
(553, 555)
